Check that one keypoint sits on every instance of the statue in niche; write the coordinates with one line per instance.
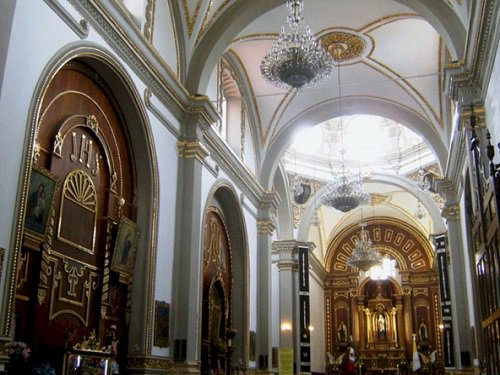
(342, 332)
(423, 333)
(381, 326)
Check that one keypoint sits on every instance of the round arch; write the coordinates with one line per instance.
(241, 13)
(397, 181)
(129, 103)
(224, 197)
(403, 242)
(355, 106)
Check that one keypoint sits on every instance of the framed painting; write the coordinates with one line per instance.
(41, 191)
(162, 317)
(125, 244)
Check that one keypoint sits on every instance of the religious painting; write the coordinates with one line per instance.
(162, 317)
(124, 252)
(40, 196)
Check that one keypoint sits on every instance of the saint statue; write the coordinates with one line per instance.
(342, 332)
(381, 326)
(423, 334)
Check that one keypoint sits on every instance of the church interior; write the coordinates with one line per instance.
(224, 187)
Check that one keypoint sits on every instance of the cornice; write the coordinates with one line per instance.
(467, 80)
(317, 268)
(233, 167)
(125, 38)
(81, 28)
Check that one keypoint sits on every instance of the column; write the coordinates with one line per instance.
(446, 303)
(294, 304)
(265, 229)
(186, 288)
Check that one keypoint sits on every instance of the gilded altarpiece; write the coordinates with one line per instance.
(65, 286)
(380, 316)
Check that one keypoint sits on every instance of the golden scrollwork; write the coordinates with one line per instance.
(343, 46)
(92, 123)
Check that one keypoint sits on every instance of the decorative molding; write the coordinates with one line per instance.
(81, 28)
(451, 212)
(123, 36)
(150, 20)
(149, 362)
(159, 113)
(467, 80)
(265, 226)
(317, 268)
(346, 45)
(233, 167)
(192, 149)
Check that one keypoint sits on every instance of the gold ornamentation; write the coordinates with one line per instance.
(36, 152)
(74, 274)
(112, 183)
(193, 149)
(265, 226)
(451, 212)
(92, 123)
(160, 363)
(344, 46)
(58, 143)
(190, 21)
(90, 343)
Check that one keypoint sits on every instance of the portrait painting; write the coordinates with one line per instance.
(162, 316)
(124, 252)
(41, 191)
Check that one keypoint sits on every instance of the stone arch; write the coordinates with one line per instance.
(398, 181)
(224, 198)
(128, 102)
(354, 105)
(241, 13)
(403, 242)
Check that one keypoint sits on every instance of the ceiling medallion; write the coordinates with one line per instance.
(352, 46)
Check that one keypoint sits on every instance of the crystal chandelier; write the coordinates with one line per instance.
(345, 192)
(364, 256)
(296, 60)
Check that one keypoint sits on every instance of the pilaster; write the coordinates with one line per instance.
(265, 230)
(186, 288)
(294, 303)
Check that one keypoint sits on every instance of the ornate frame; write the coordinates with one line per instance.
(37, 207)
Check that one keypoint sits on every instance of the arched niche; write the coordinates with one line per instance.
(223, 200)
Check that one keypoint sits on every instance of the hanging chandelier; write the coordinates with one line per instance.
(364, 256)
(345, 192)
(296, 60)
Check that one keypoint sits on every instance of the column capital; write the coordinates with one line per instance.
(451, 212)
(290, 246)
(265, 226)
(465, 114)
(192, 149)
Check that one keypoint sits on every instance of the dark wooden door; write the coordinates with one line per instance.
(67, 287)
